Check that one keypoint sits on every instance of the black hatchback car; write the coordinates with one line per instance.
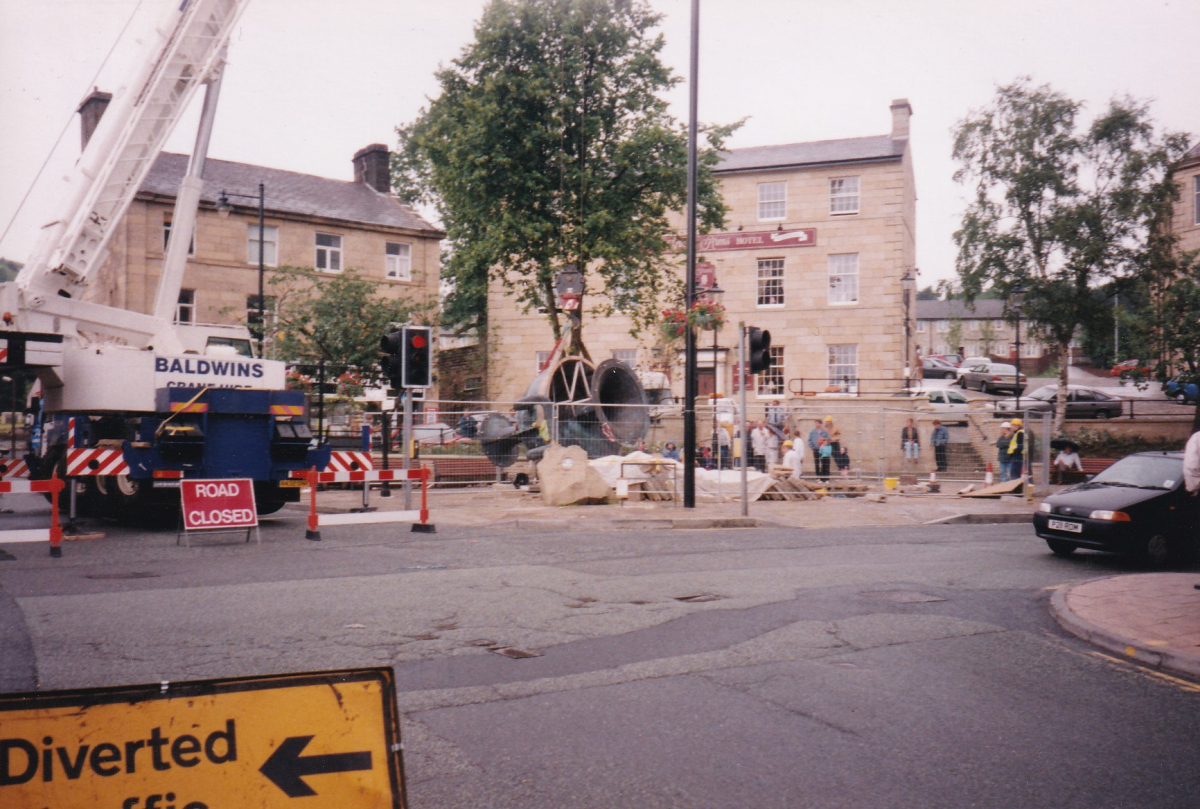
(1136, 506)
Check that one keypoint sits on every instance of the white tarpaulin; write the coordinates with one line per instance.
(710, 484)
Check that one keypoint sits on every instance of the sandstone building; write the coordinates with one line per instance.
(818, 238)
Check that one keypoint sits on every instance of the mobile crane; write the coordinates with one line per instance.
(135, 401)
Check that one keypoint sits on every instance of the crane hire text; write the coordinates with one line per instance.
(21, 760)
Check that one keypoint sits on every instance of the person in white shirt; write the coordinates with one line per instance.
(792, 458)
(1067, 460)
(1191, 464)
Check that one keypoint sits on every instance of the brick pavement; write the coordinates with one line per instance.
(1151, 617)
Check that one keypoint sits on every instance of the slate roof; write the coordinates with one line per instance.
(845, 150)
(287, 192)
(990, 308)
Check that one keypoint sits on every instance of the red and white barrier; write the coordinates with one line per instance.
(341, 461)
(14, 468)
(53, 487)
(419, 518)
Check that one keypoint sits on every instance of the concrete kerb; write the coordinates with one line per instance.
(1114, 641)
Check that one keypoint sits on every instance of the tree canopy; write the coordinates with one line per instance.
(339, 319)
(1056, 208)
(550, 144)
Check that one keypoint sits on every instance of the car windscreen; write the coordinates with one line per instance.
(1045, 393)
(1144, 471)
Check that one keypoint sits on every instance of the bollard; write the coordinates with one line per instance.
(55, 528)
(313, 521)
(988, 477)
(424, 526)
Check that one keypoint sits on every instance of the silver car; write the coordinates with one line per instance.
(1082, 403)
(993, 377)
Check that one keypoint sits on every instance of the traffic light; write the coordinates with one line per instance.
(416, 365)
(760, 349)
(390, 346)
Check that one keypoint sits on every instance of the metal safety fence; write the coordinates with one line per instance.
(867, 440)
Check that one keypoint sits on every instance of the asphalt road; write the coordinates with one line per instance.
(862, 667)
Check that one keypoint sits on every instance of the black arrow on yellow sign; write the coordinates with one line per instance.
(286, 769)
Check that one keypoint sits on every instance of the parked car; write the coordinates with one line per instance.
(1181, 389)
(933, 368)
(1136, 506)
(1129, 367)
(953, 359)
(969, 363)
(1082, 403)
(993, 377)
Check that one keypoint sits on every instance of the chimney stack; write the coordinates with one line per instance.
(90, 112)
(371, 166)
(901, 112)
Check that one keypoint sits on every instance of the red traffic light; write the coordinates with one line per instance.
(418, 340)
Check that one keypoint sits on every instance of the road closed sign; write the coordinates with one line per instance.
(218, 504)
(300, 740)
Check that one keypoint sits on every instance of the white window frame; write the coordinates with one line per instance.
(270, 245)
(542, 357)
(772, 274)
(772, 201)
(770, 383)
(843, 196)
(270, 313)
(1196, 200)
(185, 309)
(842, 363)
(626, 355)
(943, 326)
(843, 279)
(329, 256)
(398, 263)
(167, 238)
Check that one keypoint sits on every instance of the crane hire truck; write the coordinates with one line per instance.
(134, 401)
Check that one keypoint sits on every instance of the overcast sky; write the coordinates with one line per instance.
(312, 81)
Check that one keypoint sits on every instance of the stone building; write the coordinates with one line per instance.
(818, 238)
(980, 330)
(1186, 219)
(329, 225)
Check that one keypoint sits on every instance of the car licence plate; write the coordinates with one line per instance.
(293, 483)
(1061, 525)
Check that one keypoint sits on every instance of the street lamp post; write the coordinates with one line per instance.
(907, 282)
(1016, 298)
(223, 208)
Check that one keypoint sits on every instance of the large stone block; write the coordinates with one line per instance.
(566, 478)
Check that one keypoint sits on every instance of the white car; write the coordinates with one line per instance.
(969, 363)
(950, 404)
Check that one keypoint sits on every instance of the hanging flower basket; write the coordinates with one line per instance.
(349, 385)
(706, 315)
(673, 325)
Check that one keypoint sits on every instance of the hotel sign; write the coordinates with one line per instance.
(757, 240)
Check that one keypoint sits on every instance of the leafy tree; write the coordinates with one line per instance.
(1058, 209)
(338, 319)
(550, 144)
(929, 294)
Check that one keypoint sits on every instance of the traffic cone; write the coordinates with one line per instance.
(988, 478)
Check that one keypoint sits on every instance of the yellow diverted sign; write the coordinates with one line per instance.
(210, 744)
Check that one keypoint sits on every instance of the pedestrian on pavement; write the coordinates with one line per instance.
(1016, 450)
(793, 459)
(670, 451)
(723, 443)
(758, 445)
(814, 441)
(776, 416)
(772, 443)
(910, 442)
(835, 435)
(824, 456)
(842, 460)
(940, 437)
(1002, 451)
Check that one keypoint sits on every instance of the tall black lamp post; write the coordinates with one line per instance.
(907, 282)
(223, 208)
(1016, 300)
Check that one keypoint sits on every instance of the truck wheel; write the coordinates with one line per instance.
(122, 496)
